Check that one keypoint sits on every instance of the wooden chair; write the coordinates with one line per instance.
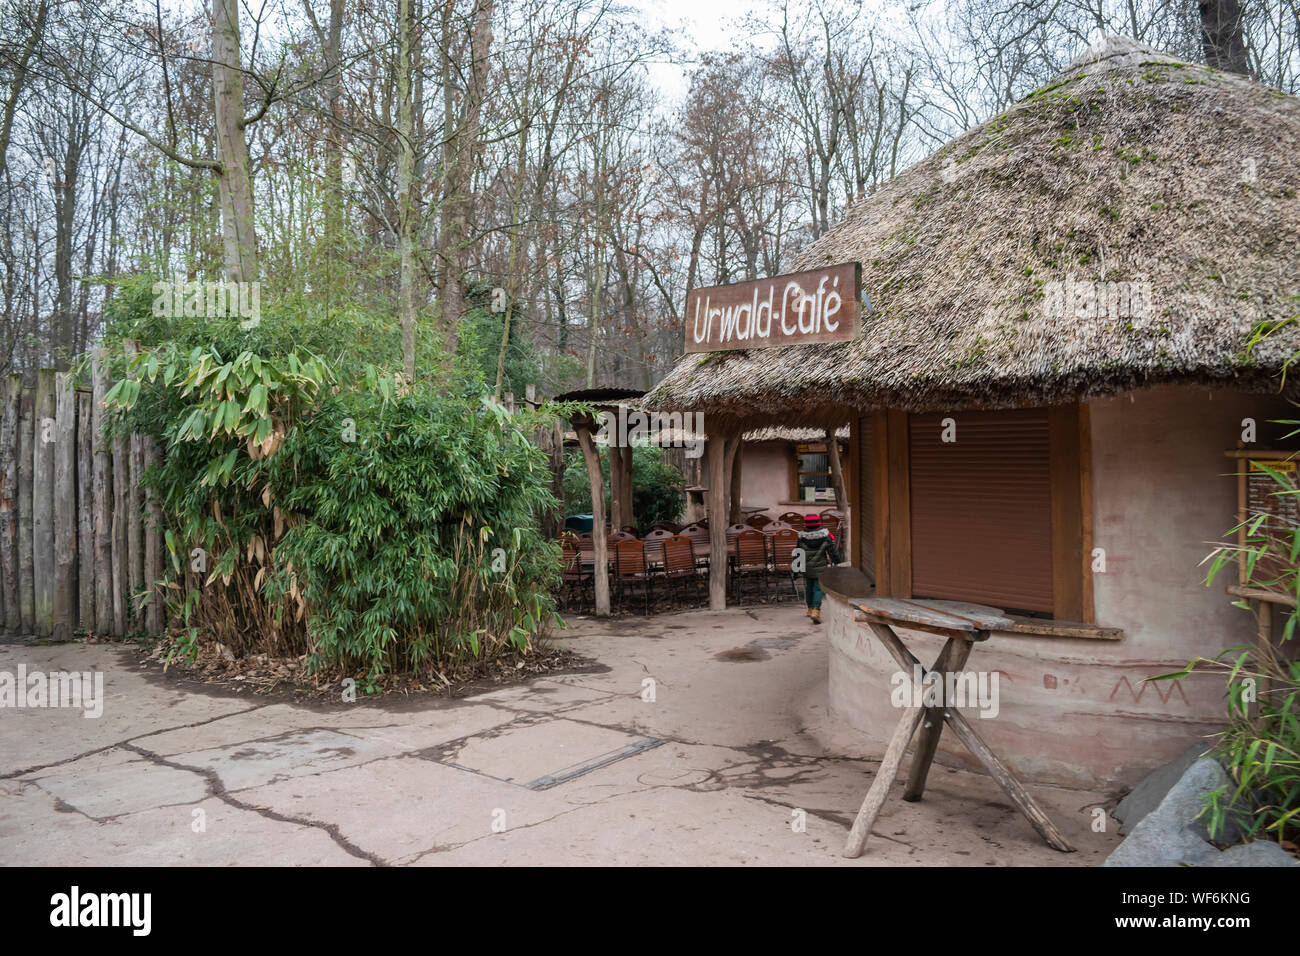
(631, 571)
(733, 532)
(699, 536)
(654, 542)
(782, 543)
(775, 526)
(759, 521)
(751, 559)
(680, 565)
(629, 529)
(831, 520)
(664, 526)
(616, 537)
(574, 575)
(794, 519)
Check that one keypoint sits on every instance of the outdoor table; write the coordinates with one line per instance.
(964, 625)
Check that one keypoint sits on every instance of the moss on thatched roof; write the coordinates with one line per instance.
(1134, 222)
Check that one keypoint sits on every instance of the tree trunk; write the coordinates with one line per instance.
(405, 202)
(1221, 36)
(234, 179)
(462, 145)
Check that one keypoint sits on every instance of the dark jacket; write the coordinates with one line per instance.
(819, 551)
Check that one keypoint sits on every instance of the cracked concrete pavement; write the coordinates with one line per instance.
(732, 752)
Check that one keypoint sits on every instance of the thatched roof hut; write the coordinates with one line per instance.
(1176, 184)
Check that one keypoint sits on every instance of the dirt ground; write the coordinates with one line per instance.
(692, 738)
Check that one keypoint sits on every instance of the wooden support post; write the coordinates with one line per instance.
(875, 798)
(135, 527)
(11, 397)
(719, 450)
(734, 466)
(43, 502)
(837, 470)
(101, 491)
(26, 531)
(629, 489)
(951, 660)
(600, 571)
(85, 512)
(153, 564)
(64, 614)
(121, 579)
(972, 741)
(615, 484)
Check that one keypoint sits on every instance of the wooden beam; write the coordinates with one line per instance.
(735, 464)
(43, 502)
(10, 399)
(1067, 513)
(885, 775)
(64, 616)
(600, 570)
(26, 531)
(719, 483)
(894, 509)
(85, 512)
(102, 488)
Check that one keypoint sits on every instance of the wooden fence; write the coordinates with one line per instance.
(79, 537)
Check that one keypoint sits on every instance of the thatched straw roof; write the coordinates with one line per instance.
(1175, 185)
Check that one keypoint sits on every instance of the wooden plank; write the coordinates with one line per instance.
(951, 660)
(85, 512)
(1045, 628)
(153, 564)
(885, 776)
(899, 510)
(1067, 512)
(879, 457)
(10, 399)
(121, 579)
(734, 469)
(26, 532)
(600, 570)
(135, 529)
(947, 615)
(64, 611)
(1085, 507)
(719, 449)
(101, 494)
(43, 503)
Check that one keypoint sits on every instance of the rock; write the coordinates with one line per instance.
(1259, 853)
(1172, 834)
(1146, 796)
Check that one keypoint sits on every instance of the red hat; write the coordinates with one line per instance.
(812, 522)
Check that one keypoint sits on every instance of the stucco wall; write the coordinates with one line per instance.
(1076, 711)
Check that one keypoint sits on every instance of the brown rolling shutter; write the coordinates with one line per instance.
(981, 509)
(866, 497)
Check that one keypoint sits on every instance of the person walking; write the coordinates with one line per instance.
(820, 552)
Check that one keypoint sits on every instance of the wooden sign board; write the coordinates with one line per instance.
(817, 306)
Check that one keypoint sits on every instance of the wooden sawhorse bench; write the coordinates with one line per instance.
(964, 625)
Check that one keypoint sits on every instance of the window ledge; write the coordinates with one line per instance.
(1038, 627)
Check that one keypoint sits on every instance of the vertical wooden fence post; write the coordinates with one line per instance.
(43, 502)
(153, 565)
(26, 533)
(64, 503)
(11, 396)
(121, 582)
(85, 515)
(101, 492)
